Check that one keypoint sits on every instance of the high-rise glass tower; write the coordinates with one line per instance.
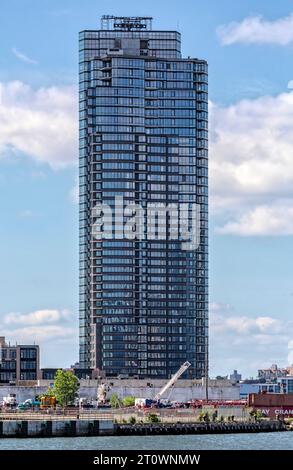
(143, 142)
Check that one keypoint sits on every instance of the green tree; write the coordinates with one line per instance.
(214, 416)
(153, 418)
(128, 401)
(204, 416)
(115, 401)
(201, 416)
(49, 393)
(258, 415)
(66, 385)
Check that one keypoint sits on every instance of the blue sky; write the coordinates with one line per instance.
(249, 47)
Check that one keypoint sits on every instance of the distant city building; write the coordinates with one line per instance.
(285, 384)
(18, 362)
(76, 365)
(48, 373)
(83, 373)
(269, 388)
(257, 387)
(247, 388)
(143, 149)
(235, 377)
(272, 373)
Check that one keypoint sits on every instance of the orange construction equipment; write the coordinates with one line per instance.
(48, 402)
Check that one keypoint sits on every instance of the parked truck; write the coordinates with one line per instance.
(143, 402)
(10, 401)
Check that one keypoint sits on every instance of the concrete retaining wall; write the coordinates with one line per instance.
(66, 428)
(199, 428)
(184, 390)
(106, 427)
(60, 428)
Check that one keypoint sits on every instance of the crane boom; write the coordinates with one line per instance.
(173, 380)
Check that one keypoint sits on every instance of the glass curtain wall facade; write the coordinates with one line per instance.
(143, 137)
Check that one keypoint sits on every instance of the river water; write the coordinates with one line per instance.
(261, 441)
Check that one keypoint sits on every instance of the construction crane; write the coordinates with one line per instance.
(173, 380)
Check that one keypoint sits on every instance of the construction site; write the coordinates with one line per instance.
(97, 392)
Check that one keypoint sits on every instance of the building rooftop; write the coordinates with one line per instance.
(126, 23)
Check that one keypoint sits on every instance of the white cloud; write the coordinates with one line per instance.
(42, 123)
(23, 57)
(247, 343)
(220, 307)
(74, 193)
(262, 220)
(243, 325)
(39, 317)
(40, 334)
(252, 144)
(290, 357)
(257, 30)
(251, 166)
(56, 331)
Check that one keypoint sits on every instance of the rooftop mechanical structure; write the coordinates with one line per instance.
(126, 23)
